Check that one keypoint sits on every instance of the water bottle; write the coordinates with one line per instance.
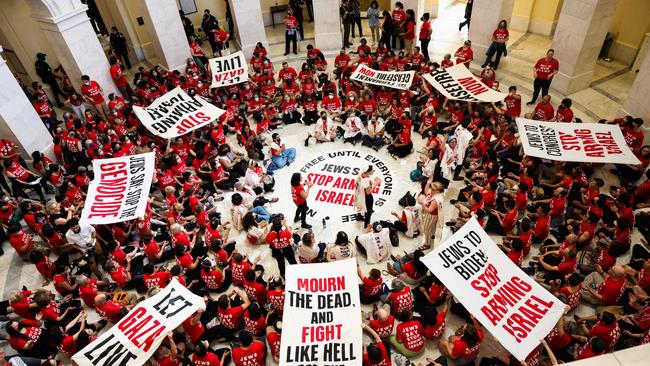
(324, 223)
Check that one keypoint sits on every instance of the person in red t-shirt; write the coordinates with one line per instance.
(409, 337)
(249, 352)
(463, 347)
(564, 112)
(230, 314)
(273, 338)
(544, 110)
(93, 94)
(280, 239)
(425, 35)
(513, 102)
(376, 353)
(545, 69)
(120, 78)
(464, 55)
(371, 288)
(290, 32)
(499, 38)
(299, 193)
(109, 310)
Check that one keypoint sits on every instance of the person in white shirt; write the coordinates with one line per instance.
(324, 130)
(463, 137)
(449, 160)
(82, 235)
(308, 250)
(341, 248)
(353, 129)
(375, 243)
(374, 137)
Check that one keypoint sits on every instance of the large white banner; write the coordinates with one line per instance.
(321, 323)
(119, 190)
(229, 70)
(176, 113)
(580, 142)
(136, 337)
(391, 79)
(514, 308)
(458, 83)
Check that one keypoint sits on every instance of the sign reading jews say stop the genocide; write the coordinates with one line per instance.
(119, 190)
(579, 142)
(514, 308)
(229, 70)
(390, 79)
(134, 339)
(458, 83)
(321, 322)
(176, 113)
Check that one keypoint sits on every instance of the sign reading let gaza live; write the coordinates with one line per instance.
(334, 175)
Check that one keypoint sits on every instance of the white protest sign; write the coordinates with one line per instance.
(321, 324)
(458, 83)
(119, 190)
(228, 70)
(176, 113)
(579, 142)
(391, 79)
(134, 339)
(514, 308)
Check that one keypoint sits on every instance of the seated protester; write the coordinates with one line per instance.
(156, 277)
(110, 310)
(276, 295)
(290, 113)
(157, 252)
(281, 156)
(604, 327)
(564, 112)
(230, 309)
(594, 347)
(503, 223)
(130, 276)
(22, 242)
(353, 128)
(308, 250)
(332, 104)
(249, 352)
(463, 347)
(167, 352)
(232, 162)
(382, 322)
(570, 292)
(43, 264)
(402, 144)
(514, 250)
(400, 297)
(340, 249)
(76, 335)
(205, 356)
(408, 222)
(255, 226)
(430, 292)
(409, 337)
(29, 339)
(376, 353)
(89, 288)
(310, 107)
(64, 283)
(542, 224)
(324, 130)
(374, 243)
(273, 337)
(544, 110)
(408, 268)
(254, 320)
(604, 288)
(434, 321)
(558, 263)
(56, 312)
(22, 178)
(371, 287)
(240, 265)
(374, 136)
(187, 262)
(195, 327)
(255, 287)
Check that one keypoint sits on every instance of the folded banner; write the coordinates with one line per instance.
(120, 189)
(134, 339)
(176, 113)
(580, 142)
(322, 315)
(229, 70)
(514, 308)
(458, 83)
(391, 79)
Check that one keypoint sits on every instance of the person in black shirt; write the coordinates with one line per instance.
(231, 24)
(44, 70)
(310, 9)
(188, 26)
(118, 44)
(208, 24)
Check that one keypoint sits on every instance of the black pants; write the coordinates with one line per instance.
(310, 9)
(498, 49)
(370, 201)
(370, 142)
(281, 254)
(301, 213)
(424, 45)
(298, 14)
(347, 24)
(357, 21)
(19, 188)
(395, 37)
(124, 57)
(290, 37)
(56, 91)
(542, 85)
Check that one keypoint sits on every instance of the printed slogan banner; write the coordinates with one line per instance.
(120, 189)
(506, 301)
(176, 113)
(322, 315)
(136, 337)
(229, 70)
(458, 83)
(391, 79)
(579, 142)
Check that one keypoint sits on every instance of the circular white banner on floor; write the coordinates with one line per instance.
(334, 175)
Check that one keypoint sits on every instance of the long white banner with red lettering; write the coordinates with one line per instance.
(390, 79)
(580, 142)
(176, 113)
(119, 190)
(321, 323)
(228, 70)
(134, 339)
(458, 83)
(514, 308)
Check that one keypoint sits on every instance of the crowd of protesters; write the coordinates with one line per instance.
(556, 220)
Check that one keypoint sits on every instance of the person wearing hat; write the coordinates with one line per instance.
(363, 200)
(44, 70)
(374, 243)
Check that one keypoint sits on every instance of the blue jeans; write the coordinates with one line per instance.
(262, 213)
(280, 161)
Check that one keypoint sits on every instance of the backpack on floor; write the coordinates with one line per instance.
(394, 236)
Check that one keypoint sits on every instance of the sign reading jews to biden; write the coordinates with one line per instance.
(321, 323)
(579, 142)
(119, 190)
(458, 83)
(176, 113)
(506, 301)
(134, 339)
(229, 70)
(335, 176)
(390, 79)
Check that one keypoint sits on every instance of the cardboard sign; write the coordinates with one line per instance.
(580, 142)
(120, 189)
(391, 79)
(514, 308)
(321, 324)
(134, 339)
(228, 70)
(176, 113)
(458, 83)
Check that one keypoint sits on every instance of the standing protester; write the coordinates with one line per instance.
(373, 21)
(280, 239)
(120, 78)
(363, 200)
(299, 194)
(425, 35)
(209, 24)
(409, 31)
(468, 15)
(310, 9)
(399, 18)
(499, 38)
(296, 6)
(347, 11)
(545, 69)
(290, 35)
(94, 95)
(44, 70)
(231, 24)
(188, 26)
(387, 29)
(119, 47)
(356, 17)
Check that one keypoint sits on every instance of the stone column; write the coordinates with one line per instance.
(67, 27)
(247, 16)
(18, 119)
(578, 39)
(486, 15)
(637, 101)
(167, 35)
(327, 25)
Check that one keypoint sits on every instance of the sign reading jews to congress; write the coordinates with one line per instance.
(120, 189)
(579, 142)
(335, 175)
(458, 83)
(176, 113)
(321, 323)
(134, 339)
(390, 79)
(506, 301)
(228, 70)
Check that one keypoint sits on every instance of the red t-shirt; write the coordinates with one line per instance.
(276, 298)
(209, 359)
(500, 34)
(253, 356)
(513, 105)
(158, 279)
(385, 328)
(296, 194)
(93, 91)
(372, 287)
(544, 111)
(88, 292)
(611, 290)
(385, 359)
(273, 339)
(435, 331)
(545, 67)
(229, 318)
(109, 311)
(464, 55)
(425, 30)
(118, 76)
(279, 241)
(401, 301)
(462, 350)
(411, 335)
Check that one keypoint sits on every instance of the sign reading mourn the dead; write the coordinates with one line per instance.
(134, 339)
(321, 322)
(458, 83)
(391, 79)
(229, 70)
(176, 113)
(120, 189)
(580, 142)
(506, 301)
